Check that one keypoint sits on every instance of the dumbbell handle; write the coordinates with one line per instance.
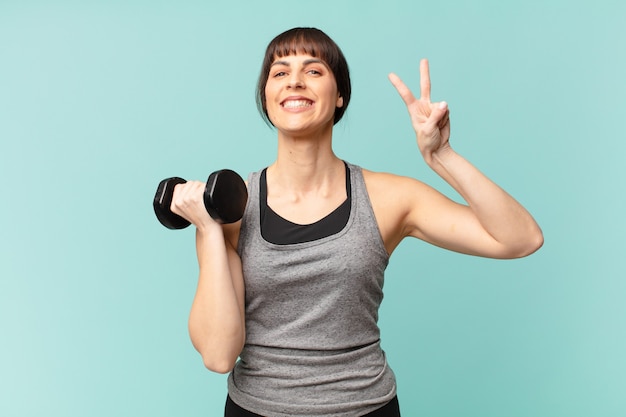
(225, 198)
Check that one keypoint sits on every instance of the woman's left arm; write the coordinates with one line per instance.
(493, 223)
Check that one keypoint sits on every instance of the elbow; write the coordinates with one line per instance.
(220, 359)
(530, 245)
(219, 362)
(219, 365)
(535, 241)
(538, 243)
(219, 353)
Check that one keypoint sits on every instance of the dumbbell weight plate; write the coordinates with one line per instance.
(163, 201)
(225, 196)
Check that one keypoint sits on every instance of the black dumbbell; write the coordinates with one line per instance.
(225, 198)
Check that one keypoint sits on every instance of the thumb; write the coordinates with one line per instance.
(437, 113)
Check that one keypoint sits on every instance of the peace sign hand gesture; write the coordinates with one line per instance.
(430, 120)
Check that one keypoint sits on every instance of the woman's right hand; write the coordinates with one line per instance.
(188, 202)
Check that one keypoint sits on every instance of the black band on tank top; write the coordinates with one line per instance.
(391, 409)
(275, 229)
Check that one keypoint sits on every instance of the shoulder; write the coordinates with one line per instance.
(400, 188)
(395, 200)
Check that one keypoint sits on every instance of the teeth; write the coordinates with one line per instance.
(292, 104)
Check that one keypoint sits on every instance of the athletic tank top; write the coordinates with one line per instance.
(312, 339)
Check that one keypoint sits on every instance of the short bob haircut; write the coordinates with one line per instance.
(309, 41)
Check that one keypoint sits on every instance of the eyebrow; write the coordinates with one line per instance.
(306, 62)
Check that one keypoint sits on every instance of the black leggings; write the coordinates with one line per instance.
(391, 409)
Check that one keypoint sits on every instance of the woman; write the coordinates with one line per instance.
(293, 289)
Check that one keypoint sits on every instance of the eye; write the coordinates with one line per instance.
(279, 74)
(314, 72)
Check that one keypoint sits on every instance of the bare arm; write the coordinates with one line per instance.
(217, 318)
(492, 224)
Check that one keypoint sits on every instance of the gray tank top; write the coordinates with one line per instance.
(312, 338)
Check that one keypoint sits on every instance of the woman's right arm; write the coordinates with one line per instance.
(217, 317)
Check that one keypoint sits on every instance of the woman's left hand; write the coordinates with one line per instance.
(430, 120)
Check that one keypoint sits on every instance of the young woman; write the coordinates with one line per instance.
(287, 298)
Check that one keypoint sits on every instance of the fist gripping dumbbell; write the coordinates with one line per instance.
(225, 198)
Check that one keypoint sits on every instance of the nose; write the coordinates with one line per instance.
(295, 81)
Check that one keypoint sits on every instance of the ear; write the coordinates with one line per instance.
(339, 101)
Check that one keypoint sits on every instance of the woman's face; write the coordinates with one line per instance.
(301, 94)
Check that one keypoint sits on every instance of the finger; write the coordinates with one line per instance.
(176, 195)
(445, 118)
(186, 193)
(438, 114)
(178, 190)
(403, 90)
(424, 80)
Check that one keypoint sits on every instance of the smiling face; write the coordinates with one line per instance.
(301, 94)
(315, 44)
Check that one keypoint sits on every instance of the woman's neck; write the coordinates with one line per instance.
(305, 164)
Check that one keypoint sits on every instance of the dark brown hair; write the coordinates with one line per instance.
(309, 41)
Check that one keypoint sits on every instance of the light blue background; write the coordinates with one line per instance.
(100, 100)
